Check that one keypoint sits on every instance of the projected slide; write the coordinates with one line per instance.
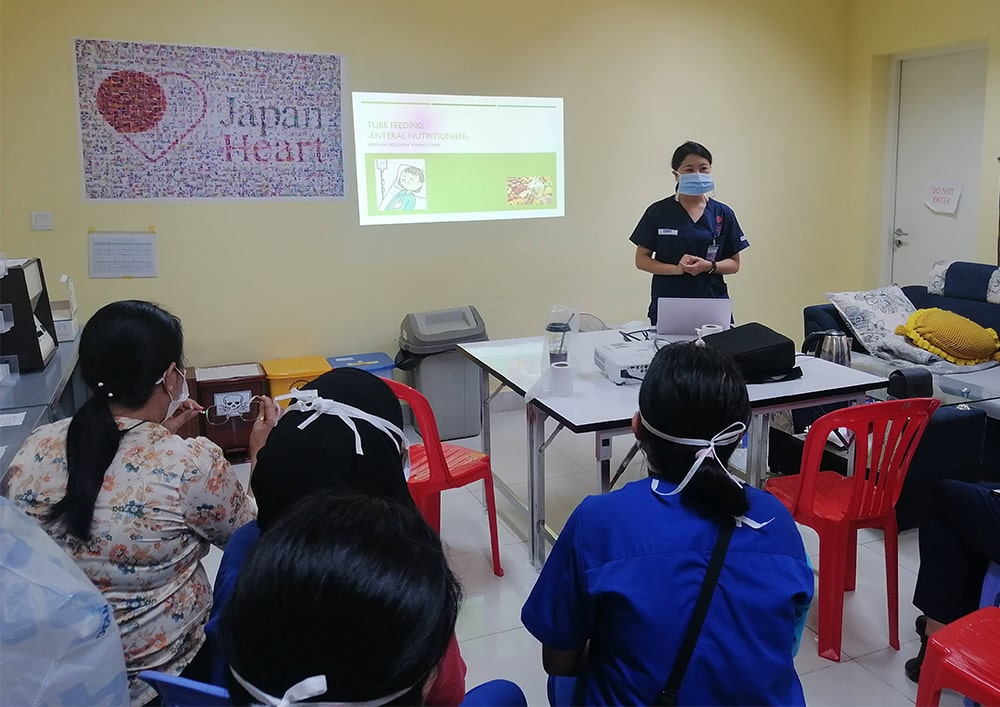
(423, 158)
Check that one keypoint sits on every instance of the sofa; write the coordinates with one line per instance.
(963, 288)
(963, 441)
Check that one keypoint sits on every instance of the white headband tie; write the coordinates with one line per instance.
(728, 435)
(304, 689)
(309, 401)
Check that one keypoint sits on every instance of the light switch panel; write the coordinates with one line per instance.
(41, 221)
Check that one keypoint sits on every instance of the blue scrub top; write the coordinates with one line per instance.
(625, 575)
(668, 231)
(237, 550)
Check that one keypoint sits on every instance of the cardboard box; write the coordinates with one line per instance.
(67, 324)
(64, 313)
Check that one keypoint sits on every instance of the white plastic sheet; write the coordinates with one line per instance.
(59, 644)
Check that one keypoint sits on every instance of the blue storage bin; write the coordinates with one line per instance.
(375, 362)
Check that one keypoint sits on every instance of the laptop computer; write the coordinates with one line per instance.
(682, 315)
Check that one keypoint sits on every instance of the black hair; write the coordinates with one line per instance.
(124, 348)
(354, 588)
(295, 463)
(695, 392)
(689, 148)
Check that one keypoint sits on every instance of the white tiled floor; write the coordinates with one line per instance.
(496, 645)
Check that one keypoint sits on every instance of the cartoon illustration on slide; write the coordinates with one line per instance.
(408, 191)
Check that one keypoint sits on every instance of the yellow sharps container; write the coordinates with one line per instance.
(286, 374)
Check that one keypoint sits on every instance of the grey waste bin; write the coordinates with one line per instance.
(450, 382)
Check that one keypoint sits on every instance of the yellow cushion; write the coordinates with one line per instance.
(951, 336)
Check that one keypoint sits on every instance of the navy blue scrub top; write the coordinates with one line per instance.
(668, 231)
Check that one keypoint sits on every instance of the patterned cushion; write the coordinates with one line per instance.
(935, 280)
(950, 336)
(973, 281)
(872, 314)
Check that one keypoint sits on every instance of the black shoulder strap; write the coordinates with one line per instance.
(668, 696)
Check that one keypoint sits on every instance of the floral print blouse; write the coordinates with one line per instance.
(164, 501)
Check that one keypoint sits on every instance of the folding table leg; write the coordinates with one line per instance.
(536, 483)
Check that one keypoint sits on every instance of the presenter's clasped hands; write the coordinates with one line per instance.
(693, 265)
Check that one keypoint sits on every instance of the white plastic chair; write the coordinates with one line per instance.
(591, 322)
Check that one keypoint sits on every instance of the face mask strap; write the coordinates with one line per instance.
(164, 376)
(727, 435)
(309, 401)
(174, 402)
(302, 690)
(310, 687)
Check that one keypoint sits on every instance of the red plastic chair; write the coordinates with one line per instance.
(836, 506)
(436, 466)
(963, 656)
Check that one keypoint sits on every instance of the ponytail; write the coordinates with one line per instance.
(124, 349)
(91, 445)
(710, 488)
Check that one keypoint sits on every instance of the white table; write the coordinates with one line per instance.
(601, 407)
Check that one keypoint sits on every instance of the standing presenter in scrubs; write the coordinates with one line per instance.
(688, 241)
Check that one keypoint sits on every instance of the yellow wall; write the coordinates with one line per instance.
(763, 83)
(881, 30)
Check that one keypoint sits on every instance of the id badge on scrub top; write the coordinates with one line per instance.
(713, 250)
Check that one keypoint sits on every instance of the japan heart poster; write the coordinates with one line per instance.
(164, 121)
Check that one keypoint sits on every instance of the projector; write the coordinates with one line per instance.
(624, 362)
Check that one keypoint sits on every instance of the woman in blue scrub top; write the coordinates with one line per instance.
(688, 241)
(614, 599)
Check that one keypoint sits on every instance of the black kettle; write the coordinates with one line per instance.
(832, 345)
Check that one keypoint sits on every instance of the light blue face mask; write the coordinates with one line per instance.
(695, 183)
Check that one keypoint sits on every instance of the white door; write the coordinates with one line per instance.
(942, 100)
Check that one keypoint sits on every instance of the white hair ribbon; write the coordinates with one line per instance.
(309, 401)
(728, 435)
(304, 689)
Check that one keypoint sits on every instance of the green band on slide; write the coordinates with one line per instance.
(467, 183)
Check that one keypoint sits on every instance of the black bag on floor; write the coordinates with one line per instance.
(762, 354)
